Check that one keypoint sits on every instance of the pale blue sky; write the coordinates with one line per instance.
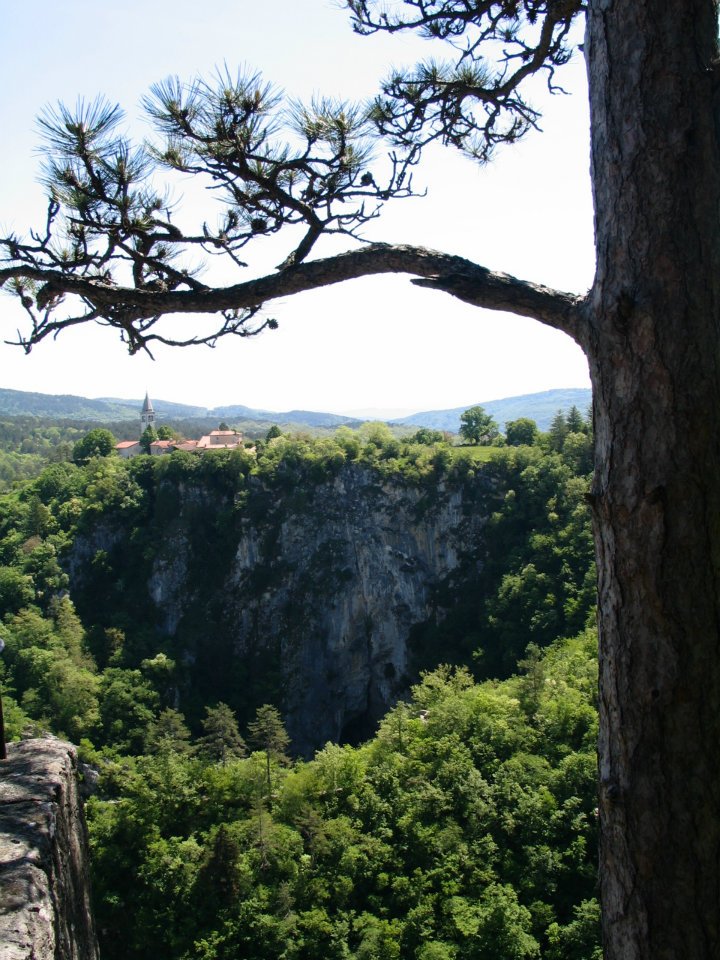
(374, 343)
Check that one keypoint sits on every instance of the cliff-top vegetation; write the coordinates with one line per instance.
(463, 827)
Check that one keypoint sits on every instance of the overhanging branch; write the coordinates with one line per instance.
(439, 271)
(500, 291)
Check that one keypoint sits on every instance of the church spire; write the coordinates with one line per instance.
(147, 415)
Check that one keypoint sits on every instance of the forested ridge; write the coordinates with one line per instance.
(464, 827)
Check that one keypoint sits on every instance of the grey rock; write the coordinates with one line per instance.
(44, 889)
(318, 585)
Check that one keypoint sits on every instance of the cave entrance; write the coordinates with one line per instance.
(358, 729)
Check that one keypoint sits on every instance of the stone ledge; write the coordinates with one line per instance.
(44, 890)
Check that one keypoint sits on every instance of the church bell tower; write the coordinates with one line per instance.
(147, 416)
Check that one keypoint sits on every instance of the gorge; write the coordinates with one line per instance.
(325, 577)
(309, 595)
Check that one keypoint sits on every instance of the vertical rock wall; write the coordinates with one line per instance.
(305, 595)
(44, 888)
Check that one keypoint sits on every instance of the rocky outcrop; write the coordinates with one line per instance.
(44, 889)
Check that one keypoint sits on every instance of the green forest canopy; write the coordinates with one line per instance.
(464, 827)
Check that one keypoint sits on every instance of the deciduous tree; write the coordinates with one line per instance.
(649, 327)
(428, 436)
(521, 431)
(97, 443)
(477, 426)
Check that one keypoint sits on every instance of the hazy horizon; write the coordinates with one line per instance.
(362, 413)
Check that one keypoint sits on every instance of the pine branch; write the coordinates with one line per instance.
(135, 311)
(476, 100)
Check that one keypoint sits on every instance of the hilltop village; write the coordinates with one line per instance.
(215, 440)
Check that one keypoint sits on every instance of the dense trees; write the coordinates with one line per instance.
(28, 443)
(465, 829)
(649, 327)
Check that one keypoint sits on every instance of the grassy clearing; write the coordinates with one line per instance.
(481, 454)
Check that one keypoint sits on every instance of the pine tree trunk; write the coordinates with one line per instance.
(654, 356)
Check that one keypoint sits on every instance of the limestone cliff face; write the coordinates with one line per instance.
(44, 889)
(302, 595)
(356, 569)
(326, 585)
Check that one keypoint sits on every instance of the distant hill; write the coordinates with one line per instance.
(540, 407)
(164, 408)
(299, 417)
(19, 403)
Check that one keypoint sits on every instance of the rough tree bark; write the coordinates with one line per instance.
(652, 339)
